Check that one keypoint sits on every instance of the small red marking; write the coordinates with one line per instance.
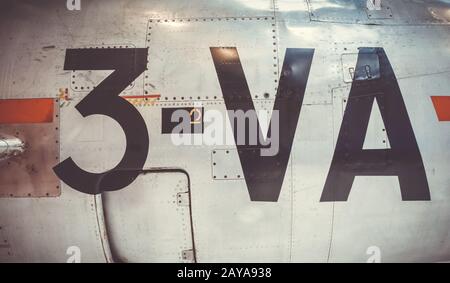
(26, 111)
(442, 106)
(142, 96)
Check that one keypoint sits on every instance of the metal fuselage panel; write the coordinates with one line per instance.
(223, 223)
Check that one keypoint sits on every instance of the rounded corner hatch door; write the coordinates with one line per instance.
(150, 220)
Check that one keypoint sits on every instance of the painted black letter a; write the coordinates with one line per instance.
(375, 78)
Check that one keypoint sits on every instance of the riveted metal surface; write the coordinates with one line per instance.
(227, 225)
(223, 167)
(392, 12)
(167, 48)
(85, 81)
(30, 174)
(156, 236)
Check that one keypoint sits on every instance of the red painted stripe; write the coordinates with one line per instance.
(142, 96)
(442, 106)
(26, 111)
